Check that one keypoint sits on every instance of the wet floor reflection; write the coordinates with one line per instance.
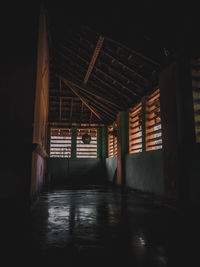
(118, 226)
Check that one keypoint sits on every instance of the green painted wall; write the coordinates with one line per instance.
(111, 167)
(76, 171)
(144, 171)
(80, 170)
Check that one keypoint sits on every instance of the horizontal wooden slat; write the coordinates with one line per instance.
(151, 126)
(135, 150)
(154, 139)
(154, 109)
(135, 138)
(153, 132)
(86, 154)
(135, 119)
(154, 147)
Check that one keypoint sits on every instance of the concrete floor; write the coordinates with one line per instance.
(98, 226)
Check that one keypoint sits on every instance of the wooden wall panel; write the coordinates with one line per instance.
(40, 108)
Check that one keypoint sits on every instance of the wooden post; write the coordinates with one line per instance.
(122, 146)
(73, 146)
(168, 105)
(104, 142)
(99, 143)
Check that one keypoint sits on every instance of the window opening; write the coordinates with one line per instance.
(153, 122)
(86, 150)
(135, 129)
(110, 142)
(60, 143)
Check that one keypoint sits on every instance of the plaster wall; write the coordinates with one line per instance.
(75, 170)
(144, 171)
(111, 167)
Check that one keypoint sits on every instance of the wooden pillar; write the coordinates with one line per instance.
(186, 129)
(104, 142)
(99, 143)
(177, 127)
(73, 146)
(122, 146)
(144, 123)
(48, 140)
(168, 105)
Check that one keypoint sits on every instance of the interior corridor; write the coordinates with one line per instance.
(100, 134)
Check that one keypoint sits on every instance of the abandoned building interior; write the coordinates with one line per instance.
(101, 138)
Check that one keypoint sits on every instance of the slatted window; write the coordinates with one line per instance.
(135, 129)
(115, 145)
(115, 141)
(60, 143)
(196, 96)
(110, 142)
(86, 150)
(153, 122)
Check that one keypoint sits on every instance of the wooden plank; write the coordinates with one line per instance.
(94, 58)
(96, 94)
(103, 52)
(83, 100)
(102, 72)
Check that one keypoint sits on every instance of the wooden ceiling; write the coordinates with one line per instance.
(93, 77)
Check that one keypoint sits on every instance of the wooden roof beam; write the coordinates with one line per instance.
(124, 66)
(94, 58)
(101, 104)
(105, 74)
(103, 112)
(132, 51)
(96, 77)
(103, 109)
(96, 94)
(83, 100)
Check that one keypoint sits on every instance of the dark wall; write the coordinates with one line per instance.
(144, 171)
(17, 88)
(194, 175)
(181, 153)
(189, 150)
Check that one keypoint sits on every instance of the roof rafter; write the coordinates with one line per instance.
(101, 107)
(105, 74)
(114, 70)
(119, 62)
(132, 51)
(93, 92)
(103, 82)
(94, 58)
(83, 100)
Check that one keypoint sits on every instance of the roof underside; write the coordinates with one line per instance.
(92, 76)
